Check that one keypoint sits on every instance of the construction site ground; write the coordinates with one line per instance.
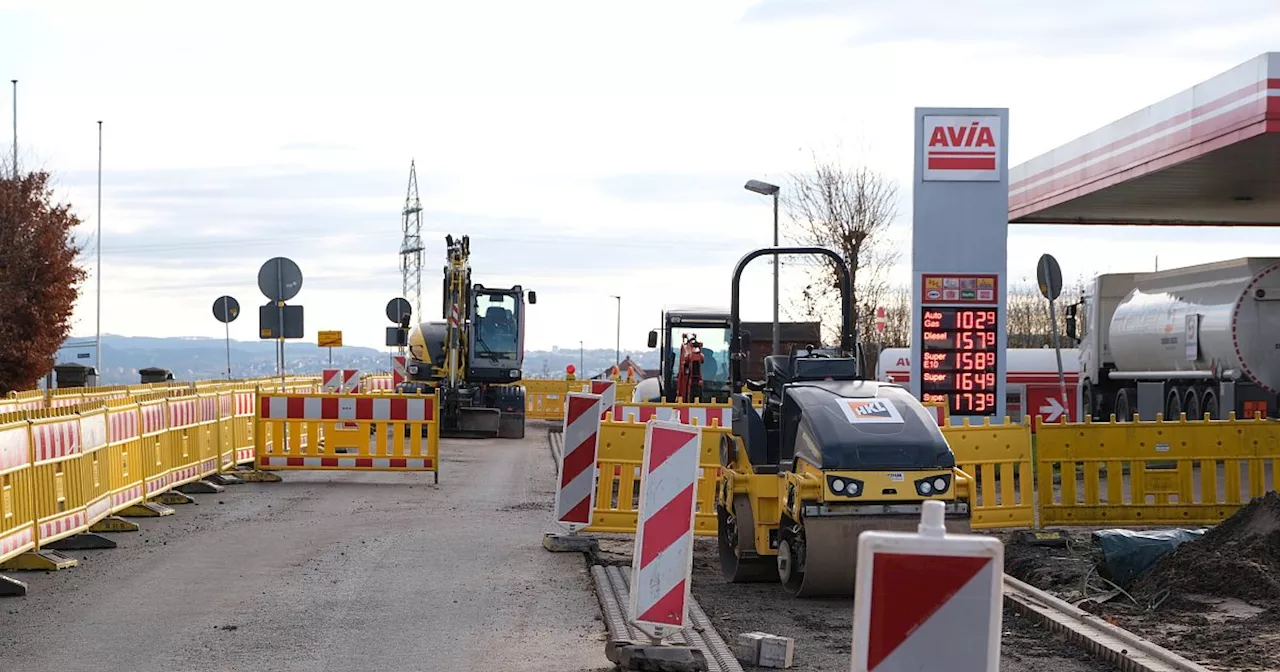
(333, 571)
(1214, 600)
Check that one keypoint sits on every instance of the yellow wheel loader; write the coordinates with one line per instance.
(830, 455)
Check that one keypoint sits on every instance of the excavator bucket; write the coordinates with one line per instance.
(474, 422)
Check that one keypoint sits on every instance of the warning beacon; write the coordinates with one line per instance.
(919, 594)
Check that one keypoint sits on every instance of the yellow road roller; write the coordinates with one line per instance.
(829, 456)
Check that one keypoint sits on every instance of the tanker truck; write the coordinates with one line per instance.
(1196, 340)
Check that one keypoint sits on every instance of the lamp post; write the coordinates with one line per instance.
(617, 353)
(766, 189)
(581, 358)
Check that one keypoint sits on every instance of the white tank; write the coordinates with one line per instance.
(1238, 303)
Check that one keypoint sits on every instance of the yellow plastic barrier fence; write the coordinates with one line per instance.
(59, 492)
(125, 460)
(1175, 472)
(185, 438)
(155, 441)
(307, 431)
(998, 457)
(544, 399)
(244, 407)
(17, 493)
(701, 414)
(620, 456)
(95, 467)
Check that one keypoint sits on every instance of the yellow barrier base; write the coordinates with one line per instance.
(172, 498)
(10, 587)
(81, 542)
(36, 561)
(201, 488)
(147, 510)
(258, 476)
(114, 524)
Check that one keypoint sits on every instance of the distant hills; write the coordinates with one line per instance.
(200, 358)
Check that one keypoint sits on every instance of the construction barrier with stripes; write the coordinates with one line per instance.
(348, 432)
(1176, 472)
(78, 461)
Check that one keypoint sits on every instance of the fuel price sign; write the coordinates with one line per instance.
(959, 359)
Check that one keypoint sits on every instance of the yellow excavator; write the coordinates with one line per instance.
(472, 356)
(831, 455)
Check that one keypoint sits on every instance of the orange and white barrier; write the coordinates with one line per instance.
(399, 371)
(576, 489)
(663, 555)
(394, 433)
(704, 415)
(607, 390)
(340, 381)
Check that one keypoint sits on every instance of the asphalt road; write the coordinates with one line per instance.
(328, 571)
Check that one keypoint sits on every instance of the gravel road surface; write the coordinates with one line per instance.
(328, 571)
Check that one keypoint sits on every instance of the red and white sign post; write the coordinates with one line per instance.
(576, 489)
(663, 555)
(928, 600)
(399, 371)
(608, 390)
(340, 381)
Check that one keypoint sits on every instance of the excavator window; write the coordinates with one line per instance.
(495, 323)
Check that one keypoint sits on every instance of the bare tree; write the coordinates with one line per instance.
(846, 210)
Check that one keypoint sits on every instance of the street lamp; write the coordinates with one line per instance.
(581, 358)
(617, 353)
(767, 189)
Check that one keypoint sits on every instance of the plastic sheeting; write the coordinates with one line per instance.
(1128, 553)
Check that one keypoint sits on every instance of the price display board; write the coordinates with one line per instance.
(959, 359)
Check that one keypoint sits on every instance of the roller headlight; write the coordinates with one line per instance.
(844, 486)
(933, 485)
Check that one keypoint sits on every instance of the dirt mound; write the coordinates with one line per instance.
(1239, 558)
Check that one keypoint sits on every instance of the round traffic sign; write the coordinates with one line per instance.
(226, 309)
(1049, 277)
(397, 308)
(280, 279)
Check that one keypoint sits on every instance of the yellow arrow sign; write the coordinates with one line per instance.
(330, 339)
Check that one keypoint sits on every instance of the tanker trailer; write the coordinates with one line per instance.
(1195, 340)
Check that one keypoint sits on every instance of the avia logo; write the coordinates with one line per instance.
(870, 411)
(903, 361)
(961, 143)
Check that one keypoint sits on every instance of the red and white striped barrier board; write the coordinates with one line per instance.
(399, 370)
(378, 383)
(920, 594)
(704, 415)
(339, 381)
(55, 440)
(403, 409)
(183, 413)
(607, 390)
(576, 492)
(663, 555)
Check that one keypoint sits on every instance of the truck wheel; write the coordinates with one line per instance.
(1173, 405)
(1191, 405)
(1124, 411)
(1210, 405)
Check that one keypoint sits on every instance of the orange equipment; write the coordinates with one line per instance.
(689, 379)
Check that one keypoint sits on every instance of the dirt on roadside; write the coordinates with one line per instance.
(1214, 600)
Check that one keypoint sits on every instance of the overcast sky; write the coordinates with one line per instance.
(588, 148)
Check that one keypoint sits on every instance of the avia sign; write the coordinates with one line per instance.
(962, 149)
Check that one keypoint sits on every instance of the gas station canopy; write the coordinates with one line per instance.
(1208, 156)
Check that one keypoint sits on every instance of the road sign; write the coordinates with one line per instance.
(344, 381)
(608, 390)
(399, 370)
(269, 321)
(329, 339)
(663, 555)
(398, 309)
(880, 319)
(576, 489)
(925, 595)
(1047, 404)
(1049, 277)
(226, 309)
(280, 279)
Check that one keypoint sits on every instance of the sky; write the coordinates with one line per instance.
(588, 149)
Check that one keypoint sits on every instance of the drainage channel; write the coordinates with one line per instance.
(612, 588)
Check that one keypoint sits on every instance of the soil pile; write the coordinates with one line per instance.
(1239, 558)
